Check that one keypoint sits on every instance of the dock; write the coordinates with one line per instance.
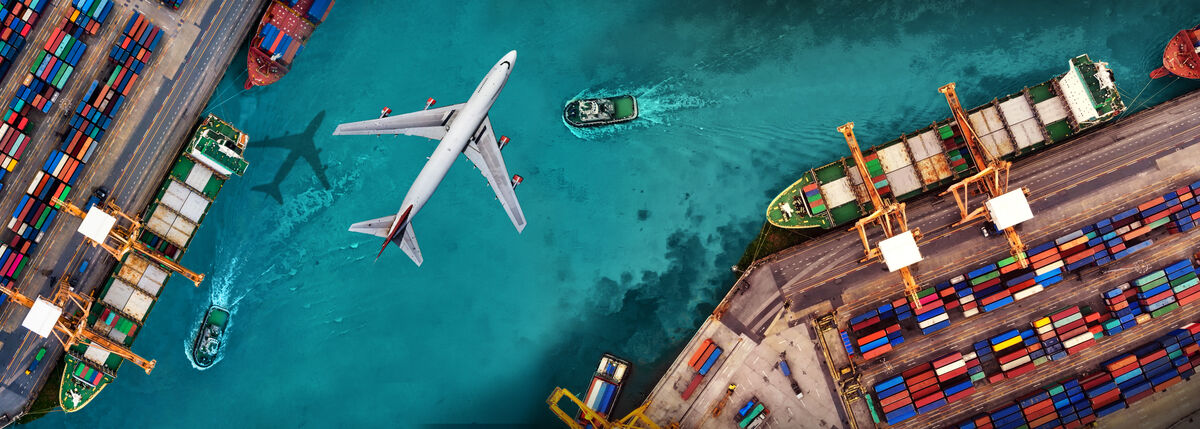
(199, 43)
(799, 300)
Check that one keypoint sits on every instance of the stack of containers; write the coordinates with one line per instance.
(174, 4)
(894, 400)
(878, 330)
(1155, 213)
(1064, 332)
(141, 39)
(1122, 303)
(1123, 381)
(318, 11)
(952, 376)
(991, 294)
(18, 18)
(1081, 248)
(61, 53)
(1015, 351)
(12, 256)
(846, 343)
(931, 314)
(1102, 393)
(12, 141)
(875, 169)
(702, 361)
(89, 14)
(812, 194)
(30, 216)
(966, 296)
(1155, 290)
(1185, 219)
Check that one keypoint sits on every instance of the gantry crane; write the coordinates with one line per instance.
(126, 239)
(889, 215)
(991, 179)
(636, 419)
(71, 329)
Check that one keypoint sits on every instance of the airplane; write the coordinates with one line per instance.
(299, 145)
(462, 128)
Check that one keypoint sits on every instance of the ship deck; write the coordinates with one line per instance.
(1101, 173)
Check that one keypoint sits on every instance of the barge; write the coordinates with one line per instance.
(606, 385)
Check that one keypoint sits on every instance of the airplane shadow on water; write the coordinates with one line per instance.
(299, 146)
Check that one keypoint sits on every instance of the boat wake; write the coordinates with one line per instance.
(221, 293)
(657, 105)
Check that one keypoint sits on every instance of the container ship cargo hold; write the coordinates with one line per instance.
(281, 34)
(605, 386)
(936, 156)
(213, 155)
(1181, 56)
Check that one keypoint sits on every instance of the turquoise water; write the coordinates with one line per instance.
(632, 230)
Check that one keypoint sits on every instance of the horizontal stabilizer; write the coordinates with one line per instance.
(408, 243)
(377, 227)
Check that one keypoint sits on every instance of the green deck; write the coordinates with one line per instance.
(1041, 93)
(801, 218)
(1059, 131)
(623, 107)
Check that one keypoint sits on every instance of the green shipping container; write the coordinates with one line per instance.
(1158, 313)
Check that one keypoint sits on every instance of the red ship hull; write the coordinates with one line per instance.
(265, 68)
(1180, 57)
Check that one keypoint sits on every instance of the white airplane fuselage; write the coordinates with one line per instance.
(462, 130)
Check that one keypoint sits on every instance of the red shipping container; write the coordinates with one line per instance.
(960, 395)
(900, 402)
(929, 399)
(691, 388)
(871, 337)
(1021, 370)
(875, 352)
(950, 375)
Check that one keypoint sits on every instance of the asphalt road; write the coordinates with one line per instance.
(199, 43)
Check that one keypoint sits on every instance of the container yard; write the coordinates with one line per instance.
(100, 95)
(1104, 288)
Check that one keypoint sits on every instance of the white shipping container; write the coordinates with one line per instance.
(95, 354)
(894, 157)
(1016, 363)
(1068, 320)
(1027, 292)
(1056, 265)
(966, 299)
(1080, 339)
(934, 320)
(971, 312)
(950, 367)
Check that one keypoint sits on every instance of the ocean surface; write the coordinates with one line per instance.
(632, 229)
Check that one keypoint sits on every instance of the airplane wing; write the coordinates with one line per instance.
(484, 151)
(430, 123)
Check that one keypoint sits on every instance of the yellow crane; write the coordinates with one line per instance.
(126, 239)
(889, 215)
(636, 419)
(992, 178)
(72, 329)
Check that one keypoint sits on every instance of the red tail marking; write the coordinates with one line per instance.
(395, 230)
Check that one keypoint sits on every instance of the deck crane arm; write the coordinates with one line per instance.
(885, 214)
(992, 177)
(72, 335)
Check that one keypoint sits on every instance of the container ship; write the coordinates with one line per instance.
(936, 156)
(605, 387)
(211, 157)
(281, 34)
(1181, 57)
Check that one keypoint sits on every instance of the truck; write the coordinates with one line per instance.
(37, 359)
(787, 372)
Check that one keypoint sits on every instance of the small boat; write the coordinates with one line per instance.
(592, 112)
(208, 339)
(606, 385)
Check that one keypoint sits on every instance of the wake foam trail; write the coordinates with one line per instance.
(657, 105)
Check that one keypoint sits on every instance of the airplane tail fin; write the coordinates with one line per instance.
(382, 227)
(271, 189)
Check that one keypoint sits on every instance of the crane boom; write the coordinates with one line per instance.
(992, 177)
(636, 419)
(885, 214)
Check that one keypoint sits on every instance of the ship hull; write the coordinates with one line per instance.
(1180, 57)
(285, 30)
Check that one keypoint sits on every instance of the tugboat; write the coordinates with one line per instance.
(601, 111)
(208, 339)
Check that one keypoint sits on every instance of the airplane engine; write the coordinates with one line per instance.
(503, 141)
(516, 180)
